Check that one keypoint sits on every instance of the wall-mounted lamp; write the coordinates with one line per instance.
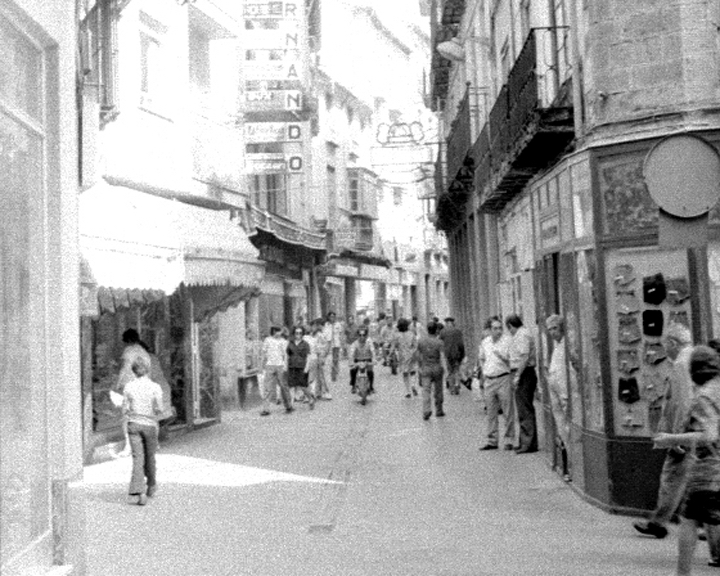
(451, 50)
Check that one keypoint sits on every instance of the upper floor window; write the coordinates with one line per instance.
(154, 70)
(269, 192)
(98, 54)
(362, 190)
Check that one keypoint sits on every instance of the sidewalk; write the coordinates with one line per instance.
(352, 490)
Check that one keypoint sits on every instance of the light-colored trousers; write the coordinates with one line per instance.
(499, 395)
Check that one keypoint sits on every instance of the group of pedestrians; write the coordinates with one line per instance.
(689, 430)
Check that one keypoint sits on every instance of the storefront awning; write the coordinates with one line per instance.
(128, 240)
(216, 250)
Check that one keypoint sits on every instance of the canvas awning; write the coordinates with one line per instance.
(129, 240)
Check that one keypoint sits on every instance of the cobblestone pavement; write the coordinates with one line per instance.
(347, 489)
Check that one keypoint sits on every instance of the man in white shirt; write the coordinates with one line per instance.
(334, 336)
(494, 358)
(524, 382)
(557, 379)
(274, 361)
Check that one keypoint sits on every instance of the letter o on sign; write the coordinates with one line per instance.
(295, 163)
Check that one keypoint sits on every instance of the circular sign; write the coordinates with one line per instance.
(682, 174)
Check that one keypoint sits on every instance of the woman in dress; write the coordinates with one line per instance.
(299, 361)
(405, 343)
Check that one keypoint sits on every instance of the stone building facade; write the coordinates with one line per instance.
(579, 177)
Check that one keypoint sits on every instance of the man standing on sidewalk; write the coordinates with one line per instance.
(274, 360)
(334, 336)
(494, 357)
(673, 478)
(524, 382)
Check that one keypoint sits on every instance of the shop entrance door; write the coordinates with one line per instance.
(205, 379)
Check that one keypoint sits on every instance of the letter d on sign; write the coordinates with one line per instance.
(294, 132)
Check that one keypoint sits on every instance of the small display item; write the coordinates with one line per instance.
(624, 274)
(633, 419)
(628, 390)
(655, 383)
(679, 317)
(628, 361)
(654, 290)
(629, 330)
(652, 321)
(628, 304)
(654, 353)
(678, 291)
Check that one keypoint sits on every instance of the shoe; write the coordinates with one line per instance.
(151, 491)
(354, 390)
(265, 413)
(702, 535)
(525, 450)
(408, 396)
(489, 447)
(651, 529)
(290, 409)
(427, 415)
(566, 478)
(415, 392)
(509, 447)
(439, 414)
(312, 403)
(714, 563)
(327, 396)
(139, 499)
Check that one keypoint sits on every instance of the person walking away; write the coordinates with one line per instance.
(351, 333)
(524, 382)
(452, 339)
(142, 405)
(274, 362)
(430, 357)
(701, 438)
(132, 351)
(362, 350)
(557, 379)
(405, 343)
(323, 350)
(387, 332)
(494, 357)
(333, 334)
(298, 364)
(417, 328)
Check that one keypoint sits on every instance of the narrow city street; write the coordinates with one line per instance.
(347, 489)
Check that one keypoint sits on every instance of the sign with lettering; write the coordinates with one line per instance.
(272, 9)
(272, 132)
(259, 101)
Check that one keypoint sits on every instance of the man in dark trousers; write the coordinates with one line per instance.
(524, 382)
(454, 348)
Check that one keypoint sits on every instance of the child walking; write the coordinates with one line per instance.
(142, 405)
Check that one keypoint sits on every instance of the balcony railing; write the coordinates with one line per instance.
(530, 124)
(459, 141)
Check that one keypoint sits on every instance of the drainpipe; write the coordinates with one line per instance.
(577, 81)
(554, 49)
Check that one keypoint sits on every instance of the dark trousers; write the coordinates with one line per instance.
(370, 375)
(144, 445)
(524, 396)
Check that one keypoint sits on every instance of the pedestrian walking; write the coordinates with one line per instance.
(298, 364)
(334, 335)
(362, 351)
(142, 406)
(524, 382)
(557, 379)
(320, 351)
(494, 357)
(132, 351)
(452, 339)
(405, 344)
(273, 384)
(701, 437)
(432, 365)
